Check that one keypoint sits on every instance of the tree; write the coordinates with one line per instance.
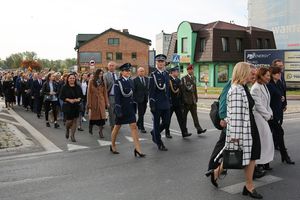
(14, 60)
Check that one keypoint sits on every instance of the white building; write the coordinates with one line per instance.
(162, 43)
(280, 16)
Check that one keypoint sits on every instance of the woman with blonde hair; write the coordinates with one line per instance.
(241, 127)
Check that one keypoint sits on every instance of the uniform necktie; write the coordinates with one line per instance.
(113, 74)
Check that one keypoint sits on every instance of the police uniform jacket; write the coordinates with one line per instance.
(159, 94)
(175, 91)
(125, 107)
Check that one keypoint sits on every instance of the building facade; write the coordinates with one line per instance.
(162, 42)
(282, 17)
(216, 47)
(97, 50)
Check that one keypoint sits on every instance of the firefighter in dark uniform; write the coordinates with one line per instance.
(125, 110)
(176, 99)
(159, 99)
(190, 98)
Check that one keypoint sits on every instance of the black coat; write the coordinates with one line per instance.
(9, 91)
(36, 89)
(175, 91)
(276, 104)
(141, 91)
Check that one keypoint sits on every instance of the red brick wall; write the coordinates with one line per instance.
(126, 47)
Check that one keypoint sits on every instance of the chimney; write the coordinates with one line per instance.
(125, 31)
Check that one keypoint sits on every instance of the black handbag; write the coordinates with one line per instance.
(233, 159)
(214, 115)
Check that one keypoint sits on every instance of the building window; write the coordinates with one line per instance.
(86, 57)
(259, 44)
(239, 47)
(223, 73)
(109, 56)
(203, 73)
(225, 46)
(202, 44)
(267, 44)
(133, 55)
(184, 45)
(113, 41)
(118, 56)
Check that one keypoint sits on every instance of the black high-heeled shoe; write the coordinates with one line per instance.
(252, 194)
(136, 153)
(114, 152)
(288, 160)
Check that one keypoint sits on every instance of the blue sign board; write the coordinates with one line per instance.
(176, 58)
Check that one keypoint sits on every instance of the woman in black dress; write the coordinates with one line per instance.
(71, 94)
(125, 109)
(9, 91)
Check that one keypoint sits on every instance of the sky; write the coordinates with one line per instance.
(49, 27)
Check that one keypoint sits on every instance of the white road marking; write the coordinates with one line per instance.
(238, 188)
(28, 180)
(105, 143)
(291, 119)
(131, 140)
(49, 146)
(73, 147)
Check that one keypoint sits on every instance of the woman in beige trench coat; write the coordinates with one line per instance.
(97, 102)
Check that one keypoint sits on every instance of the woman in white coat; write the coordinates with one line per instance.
(262, 114)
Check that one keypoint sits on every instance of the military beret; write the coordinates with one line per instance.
(190, 66)
(125, 67)
(161, 57)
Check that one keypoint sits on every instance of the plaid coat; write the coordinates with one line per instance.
(238, 122)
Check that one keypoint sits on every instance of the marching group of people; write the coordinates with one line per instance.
(251, 118)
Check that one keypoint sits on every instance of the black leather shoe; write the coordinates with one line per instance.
(169, 136)
(56, 125)
(80, 129)
(186, 135)
(113, 151)
(47, 124)
(201, 131)
(252, 194)
(143, 131)
(267, 167)
(162, 148)
(258, 173)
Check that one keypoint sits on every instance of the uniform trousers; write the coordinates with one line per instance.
(164, 115)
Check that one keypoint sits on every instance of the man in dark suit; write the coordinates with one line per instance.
(140, 93)
(159, 97)
(190, 98)
(176, 99)
(37, 85)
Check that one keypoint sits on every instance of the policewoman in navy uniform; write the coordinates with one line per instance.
(176, 99)
(159, 99)
(125, 110)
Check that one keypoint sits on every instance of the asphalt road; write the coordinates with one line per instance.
(94, 173)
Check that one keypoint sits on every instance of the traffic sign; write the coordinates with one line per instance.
(176, 58)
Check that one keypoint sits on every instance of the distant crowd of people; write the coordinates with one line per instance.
(251, 118)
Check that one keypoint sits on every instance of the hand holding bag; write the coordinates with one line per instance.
(233, 159)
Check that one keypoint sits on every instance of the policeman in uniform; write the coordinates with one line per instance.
(159, 99)
(176, 99)
(190, 98)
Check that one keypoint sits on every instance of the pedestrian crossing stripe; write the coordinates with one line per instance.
(73, 147)
(131, 140)
(105, 143)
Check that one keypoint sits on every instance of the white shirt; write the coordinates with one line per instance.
(84, 87)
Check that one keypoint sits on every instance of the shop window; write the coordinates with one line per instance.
(223, 72)
(113, 41)
(202, 44)
(184, 44)
(133, 55)
(203, 73)
(225, 44)
(239, 47)
(109, 56)
(119, 56)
